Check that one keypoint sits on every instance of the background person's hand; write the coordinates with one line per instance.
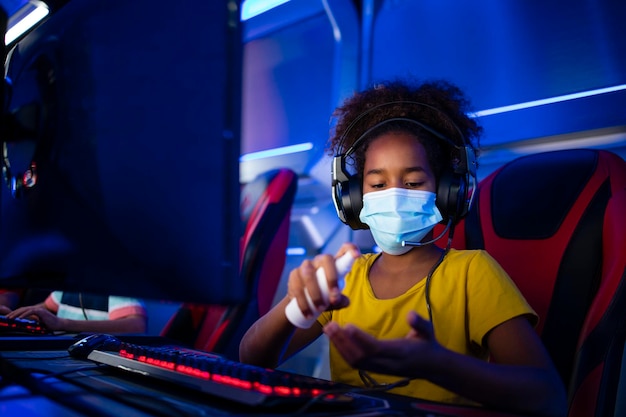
(41, 314)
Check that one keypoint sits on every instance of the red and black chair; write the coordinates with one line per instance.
(556, 222)
(266, 204)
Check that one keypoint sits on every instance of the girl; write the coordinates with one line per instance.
(442, 325)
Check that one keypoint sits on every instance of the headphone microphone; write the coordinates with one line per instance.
(455, 189)
(443, 232)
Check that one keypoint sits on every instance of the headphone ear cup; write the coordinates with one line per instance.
(452, 197)
(349, 201)
(355, 195)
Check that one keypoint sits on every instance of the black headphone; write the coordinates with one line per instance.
(453, 191)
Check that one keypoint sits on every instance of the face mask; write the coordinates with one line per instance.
(397, 215)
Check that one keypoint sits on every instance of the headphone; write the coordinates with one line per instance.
(453, 191)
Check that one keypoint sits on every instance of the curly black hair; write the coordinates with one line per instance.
(439, 105)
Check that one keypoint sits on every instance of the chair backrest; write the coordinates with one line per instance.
(556, 222)
(265, 209)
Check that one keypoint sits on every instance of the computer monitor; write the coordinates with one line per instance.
(121, 152)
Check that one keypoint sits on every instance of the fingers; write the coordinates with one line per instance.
(15, 313)
(347, 247)
(340, 301)
(363, 351)
(305, 278)
(420, 326)
(322, 290)
(355, 346)
(402, 357)
(30, 312)
(328, 265)
(23, 312)
(297, 284)
(325, 266)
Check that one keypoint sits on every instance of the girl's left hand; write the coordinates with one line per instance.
(409, 357)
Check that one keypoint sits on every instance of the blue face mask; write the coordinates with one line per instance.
(397, 214)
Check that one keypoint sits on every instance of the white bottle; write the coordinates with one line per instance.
(293, 312)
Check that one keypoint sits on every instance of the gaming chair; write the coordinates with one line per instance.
(266, 204)
(556, 222)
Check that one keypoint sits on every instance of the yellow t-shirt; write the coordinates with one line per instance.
(470, 294)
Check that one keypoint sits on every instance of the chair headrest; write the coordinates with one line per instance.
(545, 187)
(259, 188)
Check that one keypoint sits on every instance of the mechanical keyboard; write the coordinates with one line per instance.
(21, 326)
(212, 374)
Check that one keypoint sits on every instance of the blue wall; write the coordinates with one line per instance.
(301, 59)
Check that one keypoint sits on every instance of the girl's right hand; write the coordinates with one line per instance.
(304, 277)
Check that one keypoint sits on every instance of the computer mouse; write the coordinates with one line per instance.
(99, 341)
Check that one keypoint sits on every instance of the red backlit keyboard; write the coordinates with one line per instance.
(21, 326)
(215, 375)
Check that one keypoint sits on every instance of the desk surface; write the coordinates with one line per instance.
(40, 382)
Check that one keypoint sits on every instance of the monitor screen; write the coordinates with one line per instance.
(121, 152)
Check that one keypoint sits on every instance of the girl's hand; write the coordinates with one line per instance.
(304, 277)
(409, 357)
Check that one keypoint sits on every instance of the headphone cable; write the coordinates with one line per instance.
(82, 306)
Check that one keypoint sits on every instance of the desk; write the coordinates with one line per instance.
(47, 381)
